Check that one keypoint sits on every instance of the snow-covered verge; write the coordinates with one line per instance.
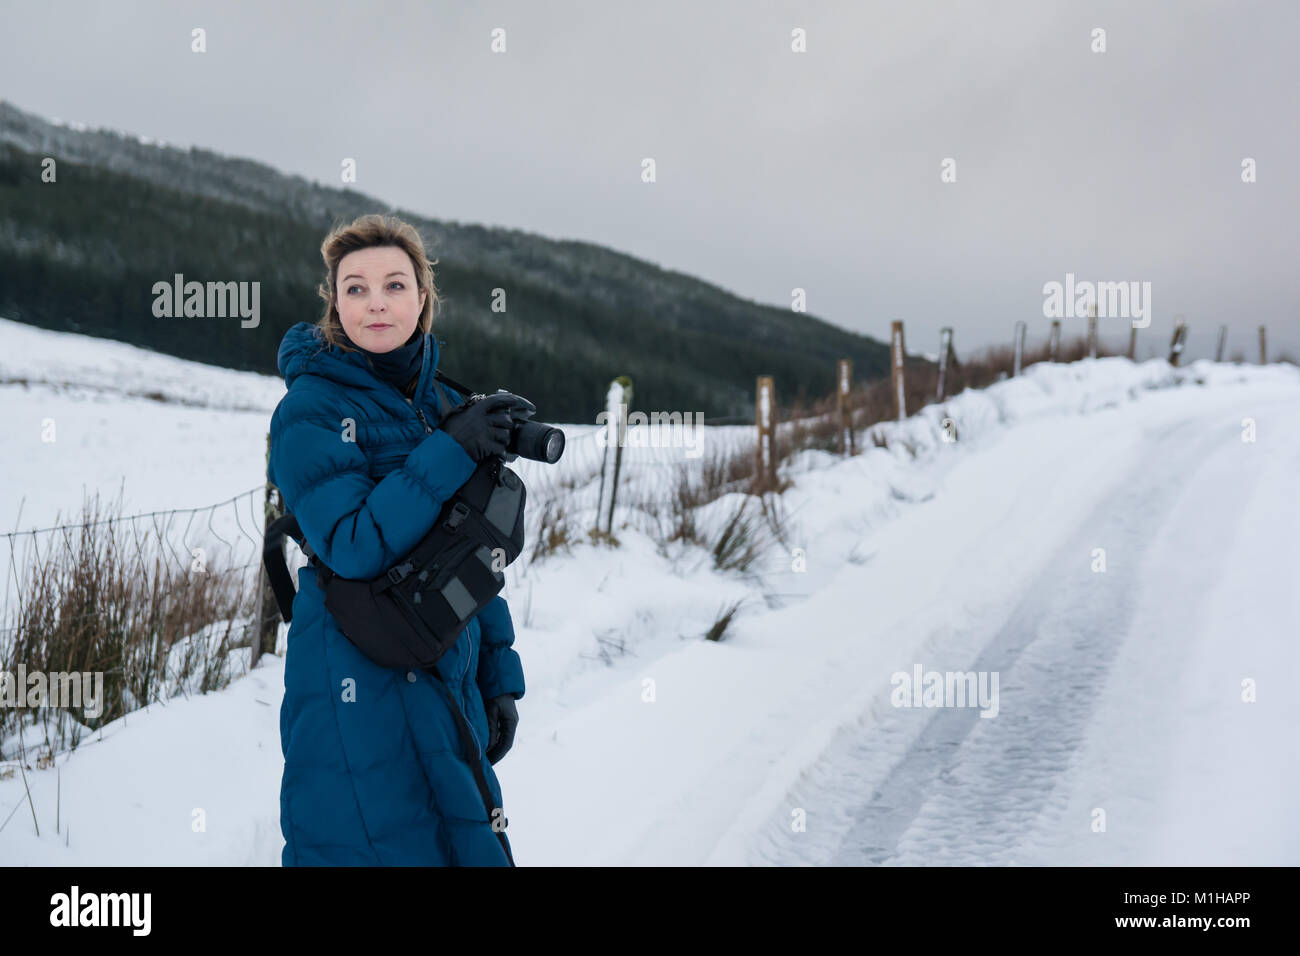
(640, 742)
(83, 363)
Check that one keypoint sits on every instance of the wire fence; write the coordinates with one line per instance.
(152, 605)
(156, 602)
(227, 534)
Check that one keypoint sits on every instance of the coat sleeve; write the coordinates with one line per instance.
(357, 526)
(499, 669)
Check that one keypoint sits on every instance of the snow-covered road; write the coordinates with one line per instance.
(1120, 692)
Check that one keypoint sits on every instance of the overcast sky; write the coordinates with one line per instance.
(775, 169)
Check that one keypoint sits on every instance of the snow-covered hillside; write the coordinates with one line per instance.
(642, 743)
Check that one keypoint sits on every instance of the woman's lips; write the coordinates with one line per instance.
(378, 328)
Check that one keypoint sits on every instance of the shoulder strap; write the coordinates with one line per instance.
(445, 400)
(463, 389)
(277, 570)
(469, 745)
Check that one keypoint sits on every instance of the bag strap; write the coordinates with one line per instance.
(277, 569)
(470, 745)
(463, 389)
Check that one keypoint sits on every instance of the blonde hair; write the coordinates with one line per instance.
(367, 232)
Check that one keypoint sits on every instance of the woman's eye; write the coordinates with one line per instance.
(395, 282)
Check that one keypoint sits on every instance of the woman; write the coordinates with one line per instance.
(374, 768)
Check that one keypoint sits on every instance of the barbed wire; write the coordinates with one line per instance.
(125, 518)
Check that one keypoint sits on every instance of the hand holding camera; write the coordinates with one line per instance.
(482, 425)
(498, 424)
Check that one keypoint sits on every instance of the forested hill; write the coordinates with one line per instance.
(83, 254)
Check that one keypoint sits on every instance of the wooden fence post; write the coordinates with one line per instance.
(1020, 349)
(268, 621)
(1179, 340)
(617, 400)
(1132, 343)
(1054, 343)
(1092, 332)
(845, 379)
(1223, 340)
(764, 413)
(945, 350)
(1263, 351)
(896, 364)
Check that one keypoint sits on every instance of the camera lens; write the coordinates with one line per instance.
(554, 446)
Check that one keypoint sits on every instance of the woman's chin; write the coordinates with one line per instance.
(381, 340)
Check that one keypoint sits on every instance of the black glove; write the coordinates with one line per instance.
(483, 426)
(522, 409)
(502, 719)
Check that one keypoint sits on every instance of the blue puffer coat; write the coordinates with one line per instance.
(374, 770)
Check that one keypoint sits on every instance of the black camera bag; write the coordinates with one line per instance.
(412, 614)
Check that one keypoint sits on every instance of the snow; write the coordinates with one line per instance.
(642, 743)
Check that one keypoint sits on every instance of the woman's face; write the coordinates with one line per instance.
(378, 300)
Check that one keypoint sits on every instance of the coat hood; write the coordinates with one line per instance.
(304, 351)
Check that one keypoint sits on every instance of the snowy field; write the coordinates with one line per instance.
(1119, 691)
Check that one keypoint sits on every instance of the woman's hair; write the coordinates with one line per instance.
(367, 232)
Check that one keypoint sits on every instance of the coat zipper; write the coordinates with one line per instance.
(478, 754)
(428, 429)
(469, 655)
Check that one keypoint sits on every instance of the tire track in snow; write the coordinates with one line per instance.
(968, 787)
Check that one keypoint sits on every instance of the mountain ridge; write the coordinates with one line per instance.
(131, 212)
